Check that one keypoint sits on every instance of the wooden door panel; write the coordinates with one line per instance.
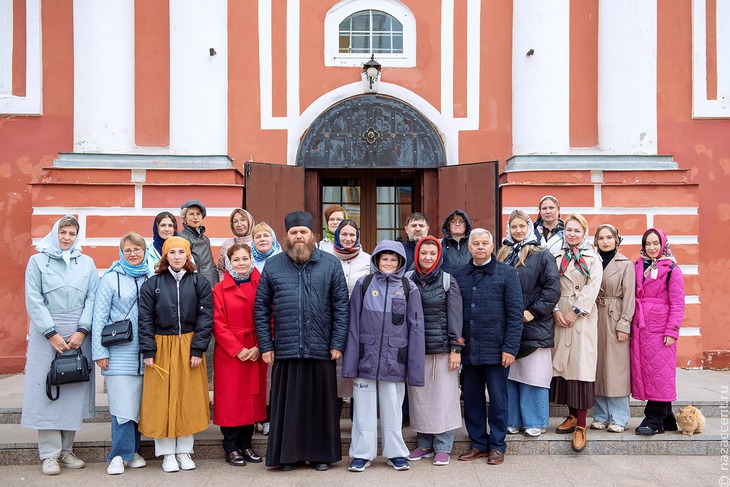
(272, 191)
(472, 188)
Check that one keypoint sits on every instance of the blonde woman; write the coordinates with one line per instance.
(576, 329)
(242, 224)
(529, 377)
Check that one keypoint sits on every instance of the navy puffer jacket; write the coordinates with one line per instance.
(309, 303)
(493, 308)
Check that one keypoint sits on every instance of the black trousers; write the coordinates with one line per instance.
(659, 415)
(236, 437)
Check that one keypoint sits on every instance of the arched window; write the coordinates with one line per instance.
(371, 32)
(355, 29)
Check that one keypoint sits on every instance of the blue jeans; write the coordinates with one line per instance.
(612, 410)
(475, 406)
(528, 405)
(125, 440)
(438, 442)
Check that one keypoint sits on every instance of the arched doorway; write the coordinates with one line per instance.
(370, 154)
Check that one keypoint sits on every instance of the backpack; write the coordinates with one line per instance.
(369, 278)
(446, 279)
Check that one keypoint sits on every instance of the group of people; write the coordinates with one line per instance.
(553, 316)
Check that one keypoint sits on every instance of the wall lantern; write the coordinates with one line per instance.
(371, 75)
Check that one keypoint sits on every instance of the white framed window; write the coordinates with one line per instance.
(356, 29)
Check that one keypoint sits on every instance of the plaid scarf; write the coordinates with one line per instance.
(574, 253)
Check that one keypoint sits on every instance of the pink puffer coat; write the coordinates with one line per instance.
(659, 312)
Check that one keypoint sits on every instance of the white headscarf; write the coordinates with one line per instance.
(51, 246)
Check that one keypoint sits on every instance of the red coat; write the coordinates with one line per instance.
(240, 387)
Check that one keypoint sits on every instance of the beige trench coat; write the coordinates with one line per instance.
(575, 353)
(616, 302)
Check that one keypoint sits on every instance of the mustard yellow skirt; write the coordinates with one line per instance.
(175, 400)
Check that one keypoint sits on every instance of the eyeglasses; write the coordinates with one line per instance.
(335, 219)
(135, 250)
(458, 222)
(239, 222)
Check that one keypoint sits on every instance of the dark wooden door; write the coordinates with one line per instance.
(378, 200)
(272, 191)
(472, 188)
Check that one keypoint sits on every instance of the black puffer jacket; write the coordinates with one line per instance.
(456, 253)
(309, 303)
(540, 292)
(492, 312)
(442, 309)
(159, 306)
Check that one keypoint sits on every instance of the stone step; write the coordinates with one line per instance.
(18, 446)
(711, 409)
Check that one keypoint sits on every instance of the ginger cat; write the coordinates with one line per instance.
(691, 420)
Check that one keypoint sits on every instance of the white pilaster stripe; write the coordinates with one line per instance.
(268, 122)
(447, 58)
(627, 108)
(32, 102)
(293, 110)
(691, 299)
(6, 48)
(597, 194)
(138, 191)
(198, 81)
(722, 32)
(701, 106)
(103, 75)
(473, 67)
(541, 81)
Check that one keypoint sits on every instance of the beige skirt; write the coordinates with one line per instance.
(174, 403)
(435, 408)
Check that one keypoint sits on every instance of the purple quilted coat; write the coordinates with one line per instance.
(659, 312)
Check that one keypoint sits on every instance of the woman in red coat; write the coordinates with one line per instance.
(240, 373)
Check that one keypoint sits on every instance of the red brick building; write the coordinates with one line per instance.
(116, 110)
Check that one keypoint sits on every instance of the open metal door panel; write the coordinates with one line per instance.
(472, 188)
(272, 191)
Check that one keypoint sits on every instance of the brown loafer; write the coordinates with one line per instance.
(579, 439)
(472, 454)
(567, 426)
(496, 457)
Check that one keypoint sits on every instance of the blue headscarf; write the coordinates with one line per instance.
(51, 246)
(275, 249)
(141, 269)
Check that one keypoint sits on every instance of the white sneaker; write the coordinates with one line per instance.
(597, 425)
(616, 428)
(116, 466)
(51, 466)
(70, 460)
(534, 431)
(265, 428)
(169, 464)
(512, 430)
(186, 463)
(136, 462)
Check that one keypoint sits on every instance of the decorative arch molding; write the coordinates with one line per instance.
(448, 132)
(345, 8)
(369, 131)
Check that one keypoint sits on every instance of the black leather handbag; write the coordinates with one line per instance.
(68, 367)
(119, 331)
(116, 333)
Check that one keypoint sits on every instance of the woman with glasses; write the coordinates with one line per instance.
(333, 215)
(455, 244)
(117, 298)
(242, 224)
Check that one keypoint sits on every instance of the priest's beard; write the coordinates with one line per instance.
(299, 253)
